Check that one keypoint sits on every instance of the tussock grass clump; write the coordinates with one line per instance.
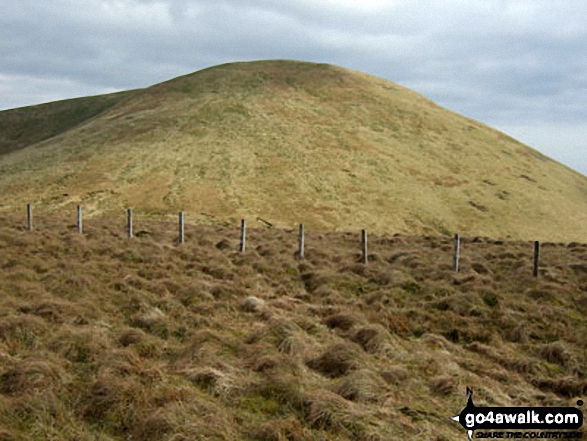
(336, 360)
(569, 387)
(443, 385)
(131, 336)
(437, 341)
(394, 375)
(28, 375)
(175, 421)
(153, 321)
(327, 410)
(374, 339)
(490, 298)
(267, 363)
(459, 303)
(214, 381)
(80, 345)
(361, 385)
(283, 388)
(208, 346)
(113, 402)
(480, 268)
(316, 282)
(331, 412)
(518, 335)
(22, 333)
(287, 336)
(341, 321)
(53, 311)
(555, 353)
(294, 345)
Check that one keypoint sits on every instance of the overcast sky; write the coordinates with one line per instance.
(518, 65)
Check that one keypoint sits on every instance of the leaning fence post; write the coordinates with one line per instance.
(29, 216)
(364, 255)
(129, 222)
(181, 229)
(243, 235)
(79, 220)
(457, 254)
(301, 242)
(536, 258)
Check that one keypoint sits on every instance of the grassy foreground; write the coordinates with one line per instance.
(106, 338)
(287, 142)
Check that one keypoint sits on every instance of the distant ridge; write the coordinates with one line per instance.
(288, 142)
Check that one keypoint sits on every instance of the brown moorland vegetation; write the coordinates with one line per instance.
(287, 142)
(106, 338)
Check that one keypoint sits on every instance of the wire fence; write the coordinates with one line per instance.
(301, 240)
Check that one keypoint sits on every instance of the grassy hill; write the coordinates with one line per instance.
(106, 338)
(20, 128)
(286, 142)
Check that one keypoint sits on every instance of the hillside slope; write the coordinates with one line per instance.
(25, 126)
(106, 338)
(293, 142)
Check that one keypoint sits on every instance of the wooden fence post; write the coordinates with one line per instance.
(364, 256)
(243, 236)
(301, 242)
(181, 228)
(457, 254)
(129, 222)
(29, 216)
(536, 258)
(79, 220)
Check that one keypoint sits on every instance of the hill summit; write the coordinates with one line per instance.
(286, 142)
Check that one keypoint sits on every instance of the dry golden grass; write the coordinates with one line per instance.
(287, 142)
(106, 338)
